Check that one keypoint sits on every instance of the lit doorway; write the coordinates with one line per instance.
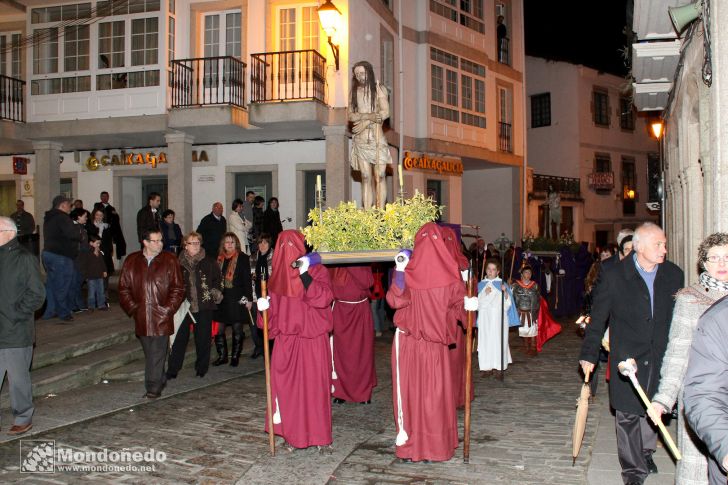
(8, 197)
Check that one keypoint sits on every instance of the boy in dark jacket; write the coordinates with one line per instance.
(93, 269)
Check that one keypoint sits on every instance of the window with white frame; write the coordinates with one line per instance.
(469, 13)
(76, 48)
(457, 89)
(125, 7)
(144, 41)
(111, 44)
(10, 54)
(45, 50)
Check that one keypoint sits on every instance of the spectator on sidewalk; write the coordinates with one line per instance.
(636, 296)
(171, 233)
(258, 212)
(272, 220)
(234, 265)
(111, 217)
(79, 218)
(261, 267)
(202, 286)
(61, 239)
(211, 228)
(239, 225)
(22, 294)
(92, 267)
(151, 289)
(25, 223)
(148, 218)
(706, 394)
(690, 304)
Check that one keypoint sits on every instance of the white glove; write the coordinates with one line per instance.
(402, 259)
(263, 303)
(464, 274)
(304, 264)
(562, 271)
(243, 301)
(471, 303)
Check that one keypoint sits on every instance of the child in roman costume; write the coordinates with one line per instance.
(527, 296)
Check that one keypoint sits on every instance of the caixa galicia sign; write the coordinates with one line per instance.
(149, 158)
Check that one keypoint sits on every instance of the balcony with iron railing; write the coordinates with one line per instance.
(505, 137)
(207, 81)
(288, 89)
(12, 99)
(566, 186)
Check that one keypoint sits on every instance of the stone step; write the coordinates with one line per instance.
(84, 370)
(134, 370)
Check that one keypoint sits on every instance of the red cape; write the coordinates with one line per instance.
(547, 326)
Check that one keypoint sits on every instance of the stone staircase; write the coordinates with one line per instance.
(95, 347)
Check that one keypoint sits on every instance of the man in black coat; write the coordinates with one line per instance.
(61, 239)
(636, 296)
(211, 228)
(111, 217)
(148, 217)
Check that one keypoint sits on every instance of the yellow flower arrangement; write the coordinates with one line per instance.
(347, 228)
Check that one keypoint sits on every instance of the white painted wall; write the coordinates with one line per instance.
(490, 201)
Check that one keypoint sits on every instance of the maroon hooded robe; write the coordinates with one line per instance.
(457, 354)
(299, 319)
(424, 406)
(353, 337)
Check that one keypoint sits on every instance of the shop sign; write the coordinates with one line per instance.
(439, 165)
(20, 165)
(27, 188)
(601, 180)
(150, 158)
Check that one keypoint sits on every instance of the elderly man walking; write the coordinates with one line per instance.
(151, 289)
(211, 228)
(636, 296)
(22, 294)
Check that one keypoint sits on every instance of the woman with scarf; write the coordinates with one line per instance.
(690, 304)
(235, 267)
(428, 295)
(272, 220)
(171, 233)
(528, 302)
(261, 267)
(299, 319)
(202, 287)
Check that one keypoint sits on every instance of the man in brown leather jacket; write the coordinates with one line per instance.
(151, 272)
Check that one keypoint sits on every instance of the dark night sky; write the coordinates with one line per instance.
(587, 32)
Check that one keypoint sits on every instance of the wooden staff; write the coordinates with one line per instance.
(266, 359)
(468, 370)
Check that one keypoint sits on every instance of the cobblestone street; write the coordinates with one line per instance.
(521, 432)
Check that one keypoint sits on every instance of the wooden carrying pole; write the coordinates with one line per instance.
(266, 358)
(468, 370)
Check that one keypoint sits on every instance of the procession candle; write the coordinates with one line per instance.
(318, 183)
(399, 170)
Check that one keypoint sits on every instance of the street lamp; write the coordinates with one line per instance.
(657, 128)
(330, 18)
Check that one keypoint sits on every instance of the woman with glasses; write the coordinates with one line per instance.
(690, 304)
(235, 267)
(202, 287)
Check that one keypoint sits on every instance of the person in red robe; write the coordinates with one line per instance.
(354, 376)
(422, 293)
(299, 319)
(457, 353)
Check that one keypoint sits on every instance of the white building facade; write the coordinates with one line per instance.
(204, 100)
(586, 141)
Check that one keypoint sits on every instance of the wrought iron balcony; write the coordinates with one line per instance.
(208, 81)
(12, 99)
(505, 143)
(287, 76)
(563, 185)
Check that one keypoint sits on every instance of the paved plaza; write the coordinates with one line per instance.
(211, 431)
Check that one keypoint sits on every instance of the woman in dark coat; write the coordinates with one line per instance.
(96, 226)
(272, 220)
(235, 267)
(202, 287)
(261, 267)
